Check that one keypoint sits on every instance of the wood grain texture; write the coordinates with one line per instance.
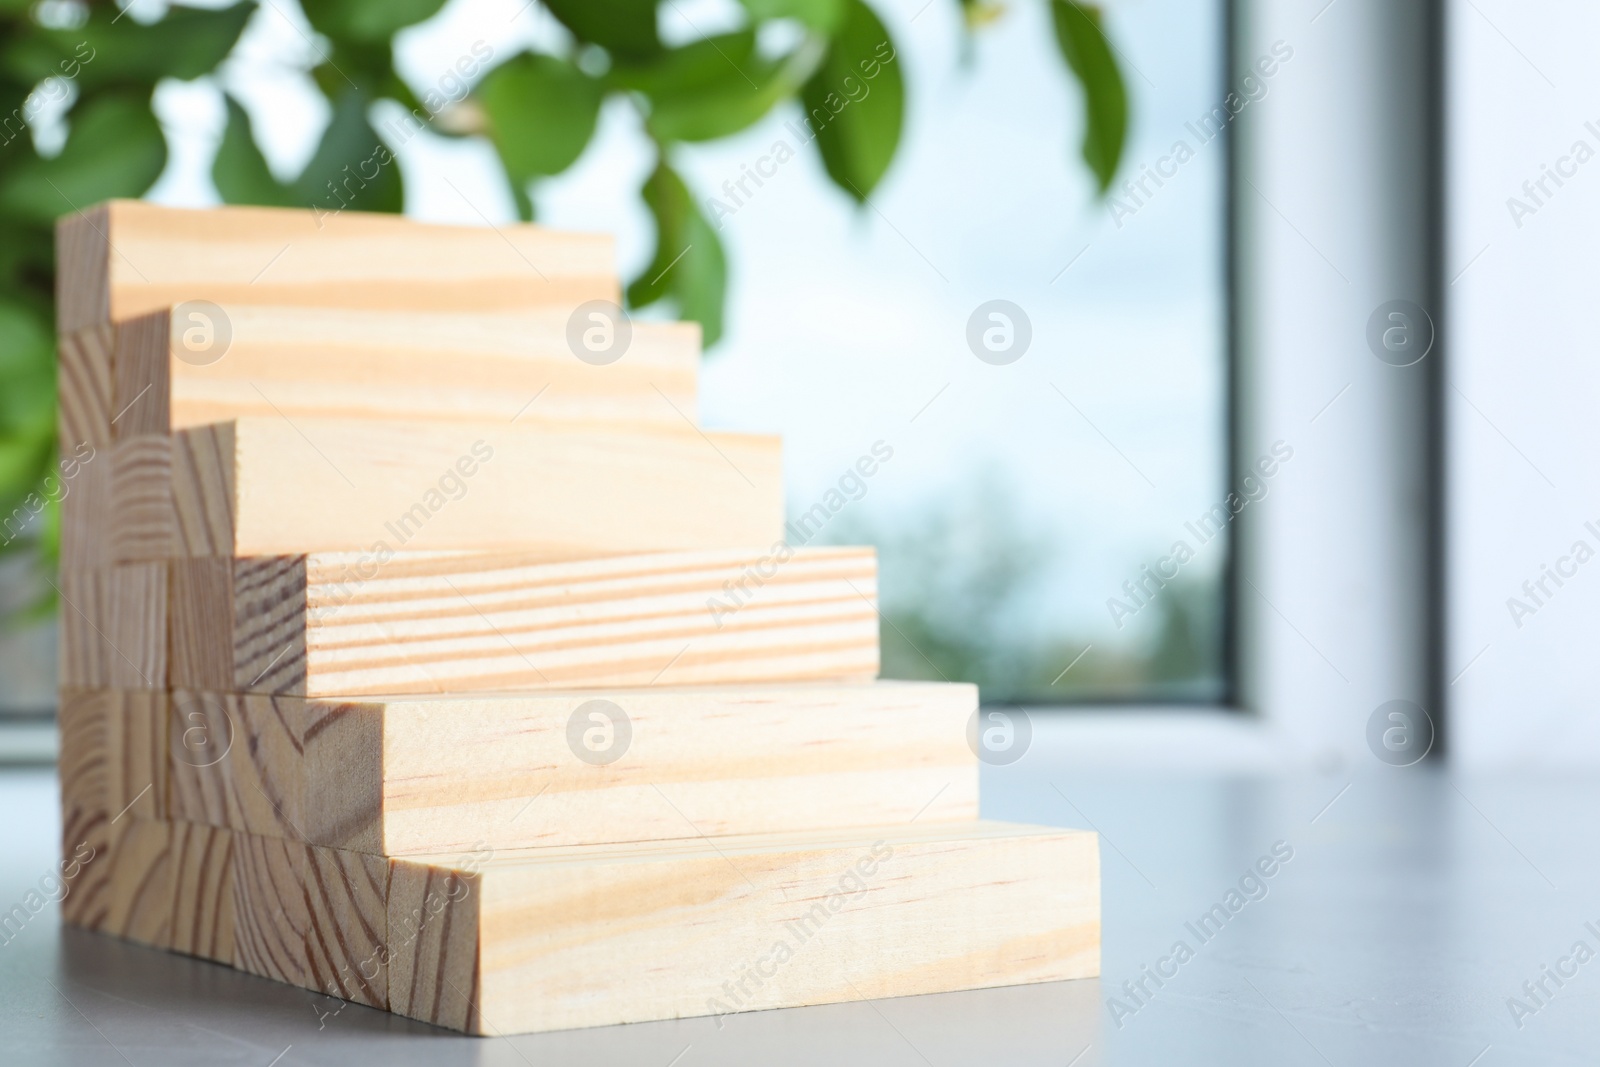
(85, 872)
(113, 755)
(112, 627)
(311, 917)
(270, 913)
(236, 762)
(409, 775)
(143, 522)
(202, 881)
(86, 515)
(137, 741)
(265, 486)
(434, 937)
(347, 895)
(125, 258)
(341, 624)
(548, 939)
(83, 769)
(142, 890)
(406, 365)
(163, 884)
(84, 387)
(82, 766)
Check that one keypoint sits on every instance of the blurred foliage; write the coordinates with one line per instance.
(92, 68)
(959, 587)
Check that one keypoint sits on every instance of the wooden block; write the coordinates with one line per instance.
(113, 752)
(338, 624)
(409, 775)
(347, 895)
(87, 520)
(83, 767)
(163, 884)
(311, 917)
(84, 757)
(270, 917)
(137, 740)
(84, 389)
(123, 882)
(112, 767)
(548, 939)
(266, 486)
(399, 365)
(113, 626)
(237, 763)
(126, 258)
(85, 871)
(142, 518)
(202, 879)
(142, 892)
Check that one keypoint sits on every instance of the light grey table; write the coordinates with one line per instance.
(1414, 905)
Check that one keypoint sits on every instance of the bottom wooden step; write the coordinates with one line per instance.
(553, 938)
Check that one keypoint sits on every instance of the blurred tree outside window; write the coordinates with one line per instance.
(725, 116)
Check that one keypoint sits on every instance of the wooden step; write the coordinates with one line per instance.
(336, 624)
(406, 775)
(498, 942)
(340, 624)
(353, 364)
(259, 486)
(555, 939)
(127, 257)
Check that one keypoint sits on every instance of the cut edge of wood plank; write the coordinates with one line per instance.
(260, 486)
(83, 258)
(550, 939)
(413, 775)
(318, 363)
(85, 389)
(123, 258)
(349, 625)
(493, 958)
(112, 626)
(113, 755)
(312, 917)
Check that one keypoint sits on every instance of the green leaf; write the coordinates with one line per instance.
(27, 256)
(819, 15)
(113, 50)
(27, 410)
(542, 112)
(855, 102)
(1088, 54)
(689, 266)
(715, 87)
(367, 66)
(352, 168)
(240, 171)
(698, 63)
(27, 366)
(114, 149)
(625, 28)
(367, 20)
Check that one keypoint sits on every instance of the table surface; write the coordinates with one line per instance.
(1414, 906)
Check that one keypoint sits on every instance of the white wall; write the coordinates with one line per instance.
(1524, 382)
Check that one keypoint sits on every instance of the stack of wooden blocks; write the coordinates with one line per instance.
(412, 659)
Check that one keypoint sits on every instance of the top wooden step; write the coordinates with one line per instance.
(126, 257)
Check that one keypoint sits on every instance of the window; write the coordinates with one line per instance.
(1016, 505)
(1017, 391)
